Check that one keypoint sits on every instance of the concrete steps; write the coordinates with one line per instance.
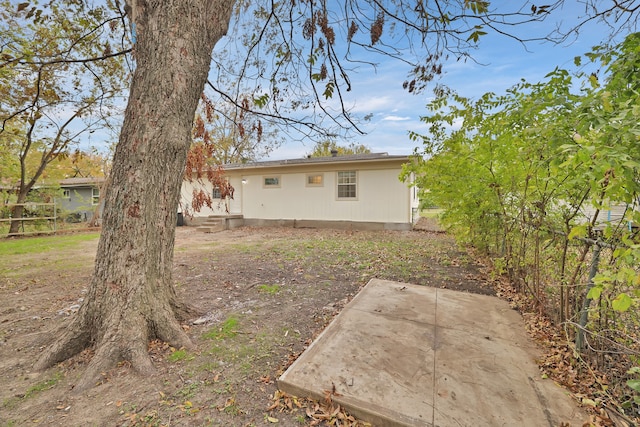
(212, 225)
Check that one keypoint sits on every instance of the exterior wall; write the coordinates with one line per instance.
(381, 197)
(219, 207)
(79, 201)
(382, 202)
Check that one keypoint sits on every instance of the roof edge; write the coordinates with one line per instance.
(353, 158)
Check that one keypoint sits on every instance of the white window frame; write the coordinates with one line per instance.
(66, 194)
(95, 196)
(340, 184)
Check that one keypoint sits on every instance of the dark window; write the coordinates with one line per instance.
(217, 194)
(272, 181)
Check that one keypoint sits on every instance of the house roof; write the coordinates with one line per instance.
(369, 157)
(81, 182)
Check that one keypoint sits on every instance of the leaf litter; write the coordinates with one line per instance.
(230, 380)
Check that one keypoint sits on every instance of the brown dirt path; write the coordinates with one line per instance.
(263, 295)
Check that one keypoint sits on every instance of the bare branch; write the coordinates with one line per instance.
(68, 61)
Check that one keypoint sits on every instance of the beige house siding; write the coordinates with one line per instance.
(381, 198)
(219, 207)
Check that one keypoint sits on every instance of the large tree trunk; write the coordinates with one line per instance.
(131, 298)
(17, 212)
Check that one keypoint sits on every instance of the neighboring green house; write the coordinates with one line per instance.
(80, 198)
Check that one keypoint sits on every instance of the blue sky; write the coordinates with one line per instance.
(500, 63)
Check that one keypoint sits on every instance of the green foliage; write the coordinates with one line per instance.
(477, 6)
(261, 100)
(490, 161)
(634, 384)
(61, 78)
(622, 302)
(324, 149)
(531, 175)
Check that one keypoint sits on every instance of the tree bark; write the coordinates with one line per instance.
(131, 298)
(17, 212)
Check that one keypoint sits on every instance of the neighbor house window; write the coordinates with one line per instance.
(315, 180)
(95, 196)
(271, 181)
(347, 185)
(66, 194)
(217, 194)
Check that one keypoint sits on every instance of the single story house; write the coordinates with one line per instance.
(80, 197)
(361, 191)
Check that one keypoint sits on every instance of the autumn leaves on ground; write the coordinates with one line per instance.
(262, 294)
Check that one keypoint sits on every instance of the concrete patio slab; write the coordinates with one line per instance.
(407, 355)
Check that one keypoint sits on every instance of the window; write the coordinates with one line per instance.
(347, 185)
(95, 196)
(217, 194)
(271, 181)
(315, 180)
(66, 194)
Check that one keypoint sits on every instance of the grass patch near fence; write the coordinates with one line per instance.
(39, 245)
(431, 213)
(27, 255)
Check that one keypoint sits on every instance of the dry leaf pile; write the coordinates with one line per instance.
(326, 412)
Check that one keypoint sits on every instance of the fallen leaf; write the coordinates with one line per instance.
(265, 379)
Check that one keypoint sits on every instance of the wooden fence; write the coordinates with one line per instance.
(33, 217)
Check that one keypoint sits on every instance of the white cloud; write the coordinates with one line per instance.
(498, 64)
(373, 104)
(393, 118)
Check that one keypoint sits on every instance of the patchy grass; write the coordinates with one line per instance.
(228, 329)
(42, 245)
(179, 355)
(431, 213)
(273, 290)
(387, 256)
(33, 254)
(41, 386)
(269, 289)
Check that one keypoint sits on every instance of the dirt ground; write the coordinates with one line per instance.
(263, 295)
